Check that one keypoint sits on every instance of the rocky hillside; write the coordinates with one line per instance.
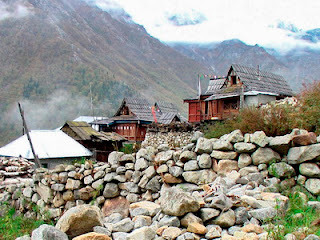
(226, 188)
(46, 46)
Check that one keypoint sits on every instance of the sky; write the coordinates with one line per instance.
(269, 23)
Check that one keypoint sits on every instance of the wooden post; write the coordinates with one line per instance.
(36, 159)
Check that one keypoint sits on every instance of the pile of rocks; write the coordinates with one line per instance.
(15, 170)
(210, 189)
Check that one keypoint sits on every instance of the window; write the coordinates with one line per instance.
(234, 80)
(206, 108)
(230, 104)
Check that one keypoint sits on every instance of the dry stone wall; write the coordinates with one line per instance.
(210, 188)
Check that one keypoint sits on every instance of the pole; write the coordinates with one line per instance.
(36, 159)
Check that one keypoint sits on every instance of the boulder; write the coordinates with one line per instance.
(48, 232)
(116, 205)
(213, 232)
(242, 147)
(244, 160)
(171, 233)
(281, 144)
(223, 155)
(190, 218)
(281, 170)
(226, 219)
(208, 213)
(305, 139)
(222, 145)
(200, 177)
(313, 185)
(205, 161)
(92, 236)
(175, 202)
(111, 190)
(298, 155)
(233, 137)
(191, 165)
(125, 225)
(45, 192)
(187, 155)
(114, 158)
(73, 184)
(79, 220)
(170, 221)
(163, 157)
(265, 155)
(142, 233)
(259, 138)
(203, 145)
(263, 214)
(227, 166)
(197, 228)
(151, 207)
(309, 170)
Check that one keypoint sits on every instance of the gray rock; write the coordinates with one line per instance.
(48, 232)
(27, 192)
(244, 160)
(221, 202)
(259, 138)
(163, 147)
(265, 155)
(191, 165)
(313, 185)
(170, 221)
(200, 177)
(142, 233)
(45, 192)
(208, 213)
(125, 225)
(223, 155)
(263, 214)
(298, 155)
(163, 157)
(242, 147)
(205, 161)
(281, 144)
(222, 145)
(154, 184)
(175, 171)
(127, 158)
(87, 180)
(281, 169)
(109, 177)
(242, 215)
(309, 170)
(102, 230)
(214, 232)
(190, 218)
(187, 155)
(174, 201)
(98, 184)
(25, 237)
(227, 166)
(203, 146)
(233, 137)
(146, 153)
(187, 236)
(79, 220)
(196, 135)
(119, 236)
(111, 190)
(114, 158)
(99, 174)
(226, 219)
(141, 164)
(246, 170)
(72, 184)
(150, 172)
(162, 169)
(312, 237)
(121, 170)
(142, 221)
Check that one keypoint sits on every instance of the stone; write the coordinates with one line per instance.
(111, 190)
(73, 184)
(213, 232)
(175, 171)
(175, 202)
(127, 158)
(263, 214)
(310, 170)
(154, 184)
(226, 219)
(142, 233)
(265, 155)
(68, 196)
(233, 137)
(119, 236)
(84, 193)
(141, 164)
(170, 221)
(58, 200)
(305, 139)
(208, 213)
(203, 145)
(98, 184)
(312, 237)
(223, 155)
(57, 187)
(227, 166)
(302, 154)
(187, 155)
(200, 177)
(125, 225)
(197, 228)
(25, 237)
(92, 236)
(222, 145)
(313, 185)
(48, 232)
(151, 207)
(187, 236)
(242, 147)
(196, 135)
(168, 178)
(281, 170)
(190, 218)
(141, 221)
(191, 165)
(146, 153)
(281, 144)
(162, 169)
(121, 170)
(244, 160)
(205, 161)
(150, 172)
(259, 138)
(27, 192)
(252, 228)
(171, 233)
(246, 170)
(45, 192)
(116, 205)
(241, 215)
(79, 220)
(163, 157)
(114, 158)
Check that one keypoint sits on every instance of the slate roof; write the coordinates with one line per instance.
(215, 85)
(168, 117)
(261, 81)
(47, 144)
(166, 106)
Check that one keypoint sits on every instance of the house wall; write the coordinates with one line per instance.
(258, 99)
(131, 131)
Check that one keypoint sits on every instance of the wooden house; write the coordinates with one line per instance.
(100, 143)
(243, 87)
(135, 114)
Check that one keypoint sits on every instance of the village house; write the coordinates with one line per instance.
(135, 114)
(99, 143)
(242, 87)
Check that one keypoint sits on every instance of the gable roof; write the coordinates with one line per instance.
(166, 106)
(168, 117)
(139, 107)
(215, 85)
(47, 144)
(261, 81)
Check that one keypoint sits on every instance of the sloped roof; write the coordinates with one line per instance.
(215, 85)
(88, 119)
(167, 117)
(47, 144)
(140, 107)
(261, 81)
(166, 106)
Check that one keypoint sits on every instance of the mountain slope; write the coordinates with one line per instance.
(71, 45)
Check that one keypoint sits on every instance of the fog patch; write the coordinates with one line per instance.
(16, 10)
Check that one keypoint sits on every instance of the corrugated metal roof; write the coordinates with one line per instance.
(166, 106)
(262, 81)
(47, 144)
(214, 85)
(88, 119)
(82, 129)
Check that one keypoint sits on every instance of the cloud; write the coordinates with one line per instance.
(187, 18)
(17, 10)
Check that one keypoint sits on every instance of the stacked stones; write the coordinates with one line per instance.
(173, 139)
(210, 189)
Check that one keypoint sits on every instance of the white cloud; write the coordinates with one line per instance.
(247, 20)
(16, 10)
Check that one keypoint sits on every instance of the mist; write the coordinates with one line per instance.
(16, 10)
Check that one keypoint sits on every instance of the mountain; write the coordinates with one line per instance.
(61, 52)
(299, 65)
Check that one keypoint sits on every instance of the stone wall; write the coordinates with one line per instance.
(208, 189)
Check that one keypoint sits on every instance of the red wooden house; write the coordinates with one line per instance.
(243, 86)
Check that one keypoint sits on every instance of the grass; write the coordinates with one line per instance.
(297, 219)
(13, 225)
